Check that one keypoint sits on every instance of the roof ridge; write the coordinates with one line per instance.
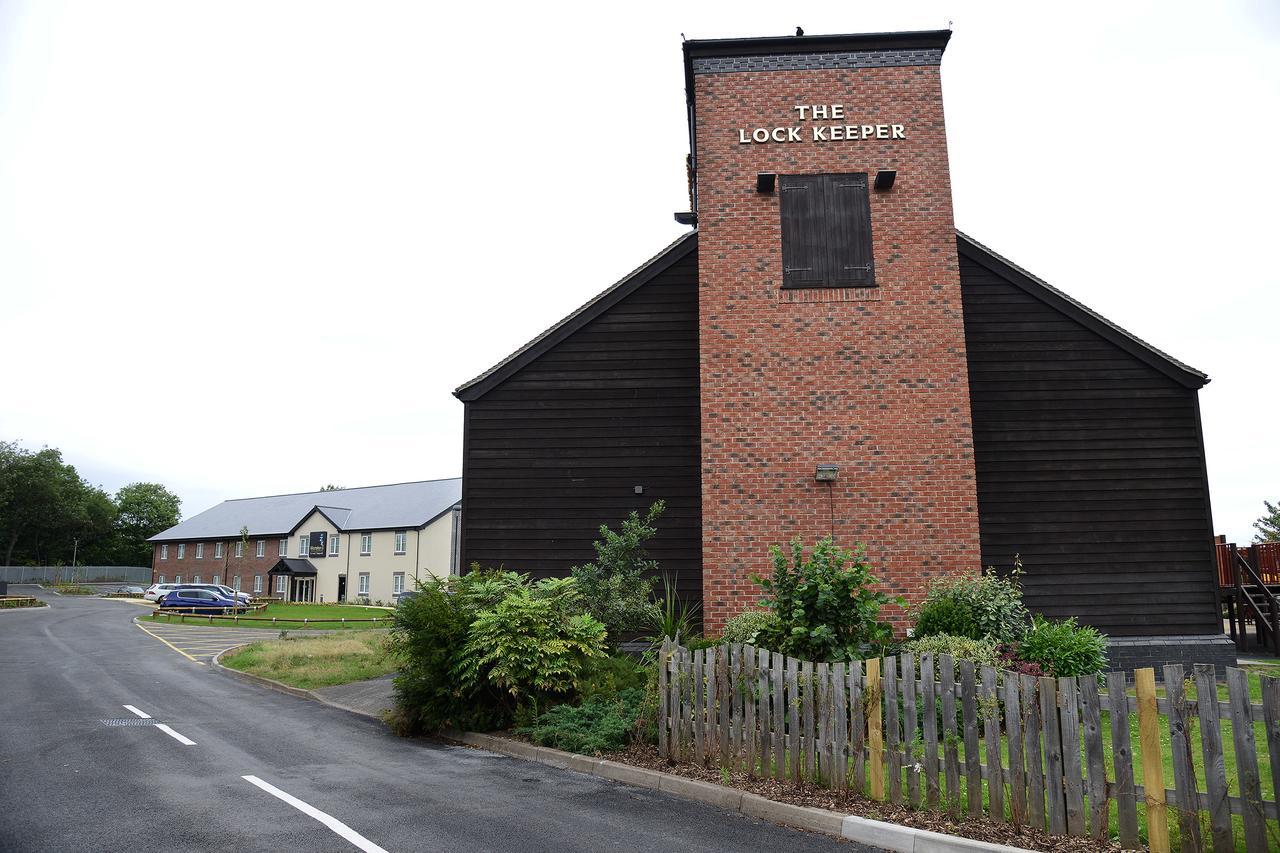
(1085, 309)
(670, 247)
(331, 491)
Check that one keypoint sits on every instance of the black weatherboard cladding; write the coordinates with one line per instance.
(1089, 464)
(556, 448)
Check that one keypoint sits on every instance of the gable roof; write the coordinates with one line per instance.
(500, 372)
(966, 245)
(1082, 314)
(400, 505)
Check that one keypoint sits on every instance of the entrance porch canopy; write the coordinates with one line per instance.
(293, 568)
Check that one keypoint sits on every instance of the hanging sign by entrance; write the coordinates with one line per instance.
(836, 130)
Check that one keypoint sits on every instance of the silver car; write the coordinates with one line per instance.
(156, 591)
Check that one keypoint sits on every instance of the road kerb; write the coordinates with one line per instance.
(874, 833)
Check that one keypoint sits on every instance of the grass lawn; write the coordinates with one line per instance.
(292, 616)
(310, 662)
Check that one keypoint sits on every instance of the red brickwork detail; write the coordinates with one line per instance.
(227, 567)
(877, 386)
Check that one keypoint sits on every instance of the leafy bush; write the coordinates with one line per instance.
(429, 632)
(611, 674)
(1064, 649)
(532, 645)
(745, 627)
(601, 724)
(825, 607)
(617, 588)
(985, 606)
(983, 651)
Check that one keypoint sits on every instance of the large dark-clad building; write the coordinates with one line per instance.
(826, 312)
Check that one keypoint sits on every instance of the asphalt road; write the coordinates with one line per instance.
(81, 772)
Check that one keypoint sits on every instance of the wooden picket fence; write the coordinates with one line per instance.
(947, 734)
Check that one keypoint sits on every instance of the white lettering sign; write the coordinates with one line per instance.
(821, 132)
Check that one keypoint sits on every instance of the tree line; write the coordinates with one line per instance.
(49, 514)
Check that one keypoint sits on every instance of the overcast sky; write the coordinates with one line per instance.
(251, 247)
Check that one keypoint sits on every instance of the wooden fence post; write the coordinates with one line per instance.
(1122, 758)
(793, 718)
(766, 725)
(889, 683)
(664, 683)
(1255, 825)
(1013, 728)
(778, 671)
(857, 727)
(991, 735)
(1215, 768)
(875, 735)
(1144, 680)
(950, 738)
(1072, 774)
(908, 688)
(1094, 757)
(972, 755)
(840, 749)
(1186, 799)
(929, 701)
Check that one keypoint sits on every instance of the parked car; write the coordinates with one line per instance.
(186, 598)
(407, 596)
(129, 590)
(221, 589)
(157, 590)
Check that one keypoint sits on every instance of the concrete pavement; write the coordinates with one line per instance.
(82, 770)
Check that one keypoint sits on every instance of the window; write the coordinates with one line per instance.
(177, 579)
(826, 231)
(182, 550)
(397, 583)
(164, 552)
(199, 550)
(257, 585)
(217, 550)
(364, 583)
(366, 544)
(284, 547)
(279, 584)
(401, 539)
(160, 579)
(217, 580)
(333, 544)
(239, 548)
(197, 579)
(262, 548)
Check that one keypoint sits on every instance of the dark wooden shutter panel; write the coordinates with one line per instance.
(847, 215)
(804, 253)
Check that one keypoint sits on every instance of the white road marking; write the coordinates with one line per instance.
(185, 741)
(141, 714)
(328, 820)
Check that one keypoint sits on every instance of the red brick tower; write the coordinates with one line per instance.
(830, 318)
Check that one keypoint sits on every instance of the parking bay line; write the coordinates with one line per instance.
(330, 821)
(143, 714)
(169, 644)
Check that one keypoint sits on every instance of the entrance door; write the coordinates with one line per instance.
(342, 587)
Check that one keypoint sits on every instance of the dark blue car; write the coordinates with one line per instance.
(197, 600)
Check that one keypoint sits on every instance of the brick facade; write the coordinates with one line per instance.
(227, 567)
(873, 379)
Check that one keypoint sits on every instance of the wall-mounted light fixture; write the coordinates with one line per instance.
(686, 217)
(766, 181)
(639, 490)
(826, 472)
(885, 179)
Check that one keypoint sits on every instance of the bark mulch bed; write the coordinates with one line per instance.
(803, 794)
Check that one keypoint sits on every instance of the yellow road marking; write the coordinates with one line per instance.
(169, 644)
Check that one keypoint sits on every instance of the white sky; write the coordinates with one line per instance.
(251, 247)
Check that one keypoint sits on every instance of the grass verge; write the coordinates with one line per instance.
(311, 662)
(291, 616)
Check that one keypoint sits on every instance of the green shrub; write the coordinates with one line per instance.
(611, 674)
(601, 724)
(673, 618)
(745, 627)
(975, 607)
(429, 632)
(825, 606)
(1064, 649)
(983, 651)
(532, 645)
(617, 588)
